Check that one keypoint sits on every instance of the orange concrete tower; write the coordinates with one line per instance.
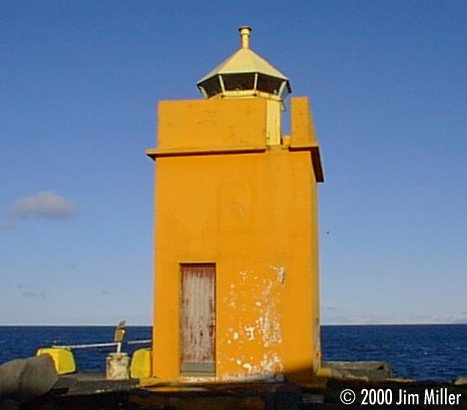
(236, 230)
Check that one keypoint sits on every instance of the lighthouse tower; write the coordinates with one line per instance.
(236, 230)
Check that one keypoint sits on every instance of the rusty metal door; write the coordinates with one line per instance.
(198, 319)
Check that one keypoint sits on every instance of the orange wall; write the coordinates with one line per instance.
(255, 216)
(200, 123)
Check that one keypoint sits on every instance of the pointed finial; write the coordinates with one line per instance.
(245, 32)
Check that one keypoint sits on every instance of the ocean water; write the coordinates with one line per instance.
(422, 352)
(18, 342)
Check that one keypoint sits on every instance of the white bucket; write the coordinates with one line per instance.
(118, 366)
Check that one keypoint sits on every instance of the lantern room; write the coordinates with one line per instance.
(244, 74)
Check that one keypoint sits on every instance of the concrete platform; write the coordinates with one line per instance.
(85, 383)
(216, 397)
(91, 391)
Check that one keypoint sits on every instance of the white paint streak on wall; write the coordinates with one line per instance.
(248, 367)
(264, 293)
(250, 332)
(271, 363)
(280, 273)
(269, 366)
(269, 323)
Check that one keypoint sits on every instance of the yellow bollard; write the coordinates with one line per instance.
(63, 359)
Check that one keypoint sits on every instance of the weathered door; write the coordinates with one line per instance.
(198, 319)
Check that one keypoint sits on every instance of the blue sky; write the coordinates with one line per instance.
(79, 84)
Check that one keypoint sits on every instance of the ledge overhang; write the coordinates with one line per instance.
(315, 158)
(183, 152)
(155, 153)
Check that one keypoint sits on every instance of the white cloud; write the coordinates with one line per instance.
(46, 204)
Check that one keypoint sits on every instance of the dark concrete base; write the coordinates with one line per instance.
(278, 396)
(84, 383)
(99, 394)
(91, 391)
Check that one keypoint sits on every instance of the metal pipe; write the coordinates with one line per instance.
(137, 342)
(91, 345)
(245, 36)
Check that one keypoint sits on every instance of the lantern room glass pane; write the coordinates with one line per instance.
(269, 84)
(212, 86)
(240, 81)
